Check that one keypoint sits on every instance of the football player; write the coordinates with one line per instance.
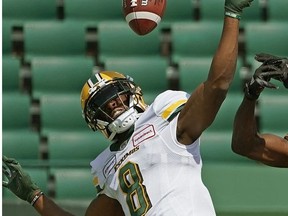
(153, 166)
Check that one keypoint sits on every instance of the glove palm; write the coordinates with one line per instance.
(18, 181)
(280, 62)
(271, 68)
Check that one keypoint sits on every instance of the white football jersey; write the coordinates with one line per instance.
(152, 173)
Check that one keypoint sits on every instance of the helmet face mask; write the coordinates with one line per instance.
(96, 105)
(110, 86)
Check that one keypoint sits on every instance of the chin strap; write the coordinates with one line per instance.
(123, 122)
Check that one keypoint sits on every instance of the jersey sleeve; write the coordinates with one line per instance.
(168, 104)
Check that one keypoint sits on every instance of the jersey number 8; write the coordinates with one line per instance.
(131, 181)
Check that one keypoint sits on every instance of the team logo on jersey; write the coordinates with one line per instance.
(109, 166)
(145, 134)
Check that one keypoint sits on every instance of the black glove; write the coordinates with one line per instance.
(260, 80)
(280, 62)
(233, 8)
(19, 182)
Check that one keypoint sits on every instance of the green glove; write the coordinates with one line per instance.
(233, 8)
(18, 182)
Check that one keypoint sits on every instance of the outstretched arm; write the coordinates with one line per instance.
(269, 149)
(20, 183)
(205, 101)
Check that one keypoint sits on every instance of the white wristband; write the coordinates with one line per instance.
(233, 15)
(37, 196)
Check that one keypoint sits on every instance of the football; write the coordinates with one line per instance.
(143, 15)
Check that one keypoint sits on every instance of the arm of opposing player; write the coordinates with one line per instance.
(246, 141)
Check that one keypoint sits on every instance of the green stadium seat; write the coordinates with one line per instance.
(116, 39)
(20, 11)
(148, 72)
(75, 147)
(7, 37)
(54, 39)
(193, 71)
(92, 12)
(22, 145)
(273, 112)
(10, 74)
(211, 10)
(190, 39)
(178, 11)
(61, 113)
(39, 176)
(73, 184)
(225, 116)
(269, 37)
(16, 111)
(246, 189)
(216, 148)
(277, 10)
(59, 75)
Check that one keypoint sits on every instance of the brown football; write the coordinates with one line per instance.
(143, 15)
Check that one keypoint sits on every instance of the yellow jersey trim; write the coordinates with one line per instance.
(172, 108)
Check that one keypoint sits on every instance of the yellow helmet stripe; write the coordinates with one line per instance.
(172, 108)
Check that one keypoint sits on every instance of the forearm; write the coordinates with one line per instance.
(225, 59)
(245, 127)
(47, 207)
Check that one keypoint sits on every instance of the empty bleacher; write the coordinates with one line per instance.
(50, 48)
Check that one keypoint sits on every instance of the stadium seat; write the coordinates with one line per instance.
(75, 147)
(273, 112)
(92, 12)
(59, 75)
(193, 71)
(10, 74)
(242, 189)
(7, 37)
(277, 10)
(211, 10)
(21, 144)
(225, 117)
(39, 176)
(216, 148)
(194, 39)
(54, 39)
(116, 39)
(20, 11)
(61, 113)
(16, 111)
(73, 183)
(268, 37)
(148, 72)
(178, 11)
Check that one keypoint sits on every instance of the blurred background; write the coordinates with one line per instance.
(51, 47)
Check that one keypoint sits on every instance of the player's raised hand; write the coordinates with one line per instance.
(18, 181)
(260, 80)
(280, 62)
(234, 8)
